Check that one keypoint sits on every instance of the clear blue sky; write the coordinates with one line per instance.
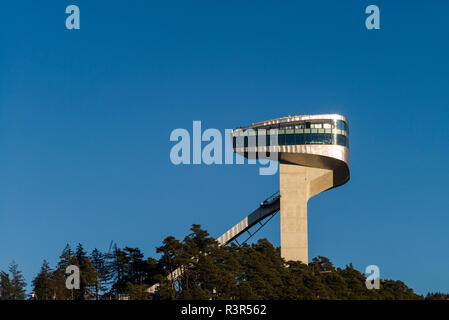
(85, 119)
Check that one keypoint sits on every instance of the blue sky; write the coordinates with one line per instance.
(86, 115)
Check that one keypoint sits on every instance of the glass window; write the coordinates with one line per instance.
(318, 138)
(308, 139)
(341, 125)
(327, 138)
(290, 139)
(281, 139)
(312, 139)
(341, 140)
(328, 133)
(299, 139)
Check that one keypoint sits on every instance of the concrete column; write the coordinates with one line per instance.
(297, 185)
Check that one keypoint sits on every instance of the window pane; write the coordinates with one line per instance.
(307, 139)
(281, 139)
(341, 140)
(299, 139)
(318, 139)
(340, 125)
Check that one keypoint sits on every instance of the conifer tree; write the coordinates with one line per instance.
(18, 284)
(5, 286)
(100, 262)
(42, 284)
(65, 259)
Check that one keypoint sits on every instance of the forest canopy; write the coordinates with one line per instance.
(207, 271)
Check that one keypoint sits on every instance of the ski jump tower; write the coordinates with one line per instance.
(313, 155)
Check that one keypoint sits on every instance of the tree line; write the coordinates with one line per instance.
(207, 271)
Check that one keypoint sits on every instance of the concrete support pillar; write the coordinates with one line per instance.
(297, 185)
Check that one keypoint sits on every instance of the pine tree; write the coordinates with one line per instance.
(103, 268)
(18, 284)
(136, 265)
(88, 275)
(5, 286)
(59, 288)
(89, 279)
(120, 269)
(43, 284)
(171, 260)
(66, 259)
(80, 254)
